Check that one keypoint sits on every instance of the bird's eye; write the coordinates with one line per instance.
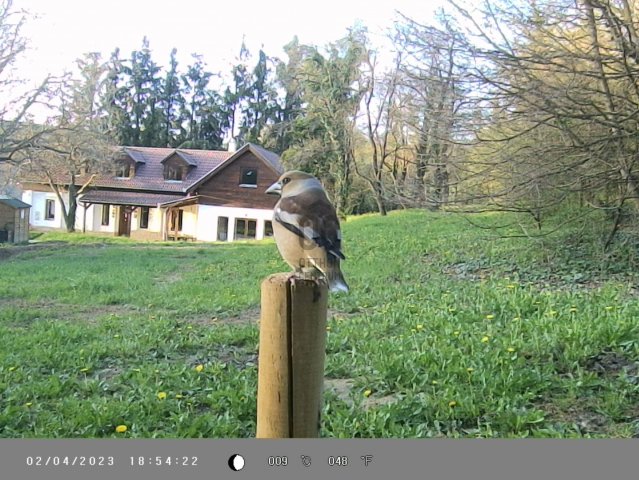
(286, 180)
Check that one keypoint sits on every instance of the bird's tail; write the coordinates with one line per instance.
(336, 281)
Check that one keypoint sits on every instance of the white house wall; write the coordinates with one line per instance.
(199, 221)
(155, 220)
(189, 220)
(37, 200)
(208, 220)
(94, 219)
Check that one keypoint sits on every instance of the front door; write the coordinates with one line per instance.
(124, 223)
(222, 228)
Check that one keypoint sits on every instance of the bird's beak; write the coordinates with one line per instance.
(275, 189)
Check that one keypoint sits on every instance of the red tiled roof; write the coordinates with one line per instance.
(149, 169)
(150, 174)
(136, 199)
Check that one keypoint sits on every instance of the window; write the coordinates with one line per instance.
(268, 229)
(123, 170)
(106, 214)
(173, 172)
(248, 177)
(245, 229)
(49, 209)
(179, 216)
(144, 217)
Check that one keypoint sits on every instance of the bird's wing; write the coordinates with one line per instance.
(310, 215)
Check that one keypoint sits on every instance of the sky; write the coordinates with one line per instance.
(65, 29)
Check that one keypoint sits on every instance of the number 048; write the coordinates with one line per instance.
(338, 461)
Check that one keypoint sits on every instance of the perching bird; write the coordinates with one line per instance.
(306, 228)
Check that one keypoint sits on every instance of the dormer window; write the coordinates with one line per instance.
(174, 172)
(248, 177)
(123, 170)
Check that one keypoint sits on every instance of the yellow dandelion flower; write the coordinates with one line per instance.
(121, 428)
(470, 369)
(28, 404)
(157, 371)
(85, 369)
(484, 339)
(516, 319)
(572, 309)
(367, 393)
(419, 326)
(137, 370)
(452, 309)
(161, 395)
(490, 316)
(552, 313)
(609, 308)
(510, 349)
(413, 330)
(199, 368)
(511, 286)
(179, 395)
(456, 333)
(11, 369)
(189, 327)
(452, 403)
(328, 328)
(116, 336)
(435, 382)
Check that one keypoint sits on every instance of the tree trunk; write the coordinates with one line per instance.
(69, 215)
(381, 207)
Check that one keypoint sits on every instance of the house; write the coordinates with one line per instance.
(169, 193)
(14, 220)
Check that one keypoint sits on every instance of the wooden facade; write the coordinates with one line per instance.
(225, 188)
(14, 220)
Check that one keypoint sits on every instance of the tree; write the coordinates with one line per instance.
(331, 93)
(260, 101)
(17, 131)
(280, 135)
(432, 86)
(234, 97)
(559, 99)
(77, 144)
(384, 126)
(195, 87)
(173, 104)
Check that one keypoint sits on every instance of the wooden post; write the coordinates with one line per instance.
(291, 356)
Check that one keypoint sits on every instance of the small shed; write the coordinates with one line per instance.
(14, 220)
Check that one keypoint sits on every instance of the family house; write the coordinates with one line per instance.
(171, 194)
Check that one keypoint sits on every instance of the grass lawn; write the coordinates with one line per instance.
(447, 332)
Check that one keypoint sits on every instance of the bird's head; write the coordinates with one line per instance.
(292, 183)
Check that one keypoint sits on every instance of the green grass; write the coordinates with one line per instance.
(447, 332)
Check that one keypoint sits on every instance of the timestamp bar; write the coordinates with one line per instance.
(324, 459)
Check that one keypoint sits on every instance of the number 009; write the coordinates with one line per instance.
(278, 461)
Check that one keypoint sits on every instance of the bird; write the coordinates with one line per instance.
(306, 228)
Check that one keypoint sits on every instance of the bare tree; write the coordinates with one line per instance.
(16, 125)
(433, 80)
(78, 144)
(383, 125)
(558, 95)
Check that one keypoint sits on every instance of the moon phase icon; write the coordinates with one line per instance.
(236, 462)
